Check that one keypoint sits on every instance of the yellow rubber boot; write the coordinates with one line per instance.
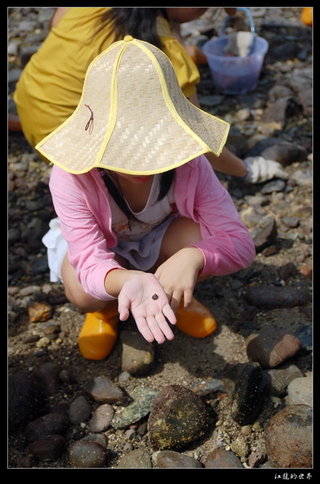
(195, 320)
(99, 333)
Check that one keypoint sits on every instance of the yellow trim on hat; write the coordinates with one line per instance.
(113, 104)
(171, 106)
(56, 130)
(113, 116)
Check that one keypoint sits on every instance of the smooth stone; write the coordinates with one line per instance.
(247, 388)
(51, 423)
(280, 378)
(101, 418)
(48, 374)
(137, 353)
(300, 391)
(98, 438)
(48, 447)
(288, 437)
(270, 296)
(102, 389)
(169, 459)
(264, 232)
(270, 347)
(26, 398)
(222, 459)
(84, 453)
(239, 446)
(79, 410)
(135, 459)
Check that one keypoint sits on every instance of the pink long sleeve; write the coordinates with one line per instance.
(226, 243)
(82, 206)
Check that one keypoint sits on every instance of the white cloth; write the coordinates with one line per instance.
(261, 170)
(140, 241)
(56, 249)
(240, 44)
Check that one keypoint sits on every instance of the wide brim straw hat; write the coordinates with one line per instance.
(132, 117)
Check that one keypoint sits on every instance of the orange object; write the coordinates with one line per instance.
(307, 15)
(99, 333)
(196, 54)
(14, 122)
(196, 320)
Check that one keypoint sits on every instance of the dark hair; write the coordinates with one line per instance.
(165, 184)
(138, 22)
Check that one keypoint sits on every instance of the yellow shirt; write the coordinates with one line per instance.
(50, 86)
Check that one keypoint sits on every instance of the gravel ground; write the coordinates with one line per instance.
(284, 261)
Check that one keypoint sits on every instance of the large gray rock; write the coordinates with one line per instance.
(247, 388)
(178, 417)
(26, 398)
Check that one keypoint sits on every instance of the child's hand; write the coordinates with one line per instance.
(178, 275)
(143, 295)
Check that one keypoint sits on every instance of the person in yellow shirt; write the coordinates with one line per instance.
(50, 86)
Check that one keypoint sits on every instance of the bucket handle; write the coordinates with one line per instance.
(249, 15)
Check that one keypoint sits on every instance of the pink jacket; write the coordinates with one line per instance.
(81, 203)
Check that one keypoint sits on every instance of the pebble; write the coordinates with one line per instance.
(288, 437)
(271, 348)
(264, 232)
(39, 312)
(170, 459)
(247, 389)
(135, 459)
(48, 375)
(48, 447)
(102, 389)
(101, 418)
(95, 437)
(84, 453)
(51, 423)
(300, 391)
(269, 296)
(239, 446)
(79, 410)
(257, 458)
(137, 354)
(279, 378)
(222, 459)
(26, 398)
(273, 186)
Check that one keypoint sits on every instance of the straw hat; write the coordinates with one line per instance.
(132, 117)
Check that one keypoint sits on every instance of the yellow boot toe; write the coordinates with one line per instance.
(98, 334)
(195, 320)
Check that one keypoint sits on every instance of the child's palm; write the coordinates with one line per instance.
(150, 314)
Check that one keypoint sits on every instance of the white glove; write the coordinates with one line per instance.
(261, 170)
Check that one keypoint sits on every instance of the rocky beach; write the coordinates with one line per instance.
(241, 398)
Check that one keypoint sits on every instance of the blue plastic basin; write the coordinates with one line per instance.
(234, 75)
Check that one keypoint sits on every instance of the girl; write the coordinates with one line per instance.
(142, 214)
(50, 86)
